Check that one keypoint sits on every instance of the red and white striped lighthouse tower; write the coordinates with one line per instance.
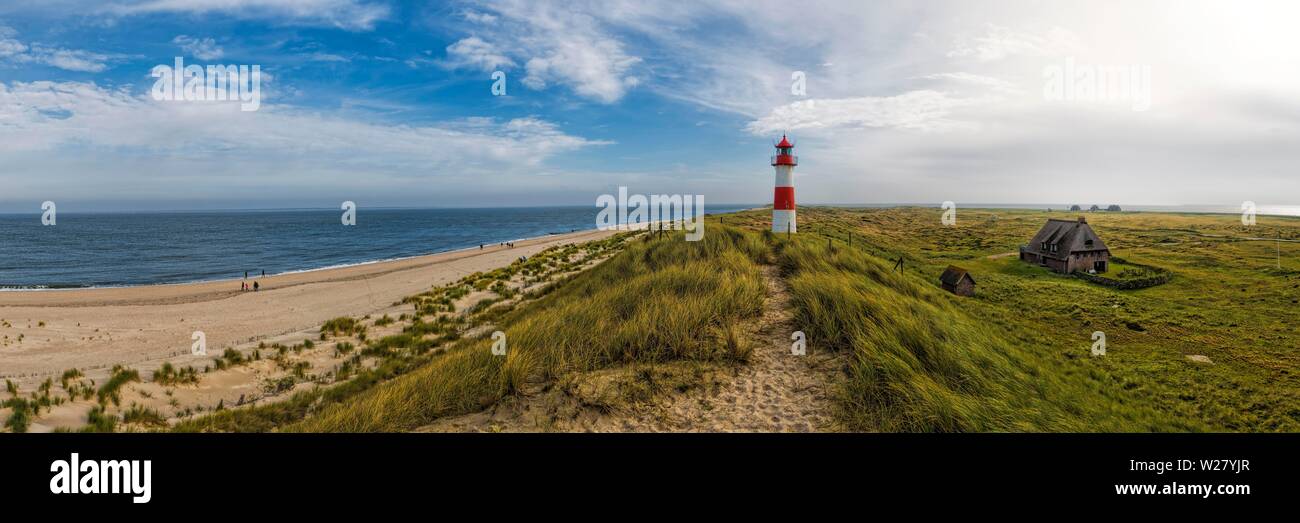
(783, 198)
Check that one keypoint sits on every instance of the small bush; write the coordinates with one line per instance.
(143, 416)
(118, 377)
(99, 421)
(342, 326)
(170, 375)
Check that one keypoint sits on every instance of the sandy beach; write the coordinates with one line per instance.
(43, 333)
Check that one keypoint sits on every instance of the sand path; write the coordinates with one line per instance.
(775, 391)
(45, 332)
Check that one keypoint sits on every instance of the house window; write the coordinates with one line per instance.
(1088, 244)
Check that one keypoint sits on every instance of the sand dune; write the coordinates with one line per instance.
(45, 332)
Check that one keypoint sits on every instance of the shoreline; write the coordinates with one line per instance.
(48, 332)
(20, 289)
(340, 272)
(8, 289)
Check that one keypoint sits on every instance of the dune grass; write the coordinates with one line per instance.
(21, 413)
(434, 324)
(142, 415)
(111, 390)
(169, 374)
(658, 301)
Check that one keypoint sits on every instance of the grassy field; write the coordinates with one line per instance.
(1017, 355)
(1213, 349)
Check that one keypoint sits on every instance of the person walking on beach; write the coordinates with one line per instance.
(255, 286)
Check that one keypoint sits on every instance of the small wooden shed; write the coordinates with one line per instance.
(957, 281)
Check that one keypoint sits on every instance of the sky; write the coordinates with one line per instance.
(392, 104)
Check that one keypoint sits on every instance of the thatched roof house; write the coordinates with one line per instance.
(1067, 246)
(957, 281)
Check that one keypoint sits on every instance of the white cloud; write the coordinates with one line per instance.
(594, 68)
(94, 116)
(1000, 42)
(327, 57)
(989, 82)
(15, 51)
(201, 48)
(71, 59)
(479, 17)
(218, 143)
(923, 110)
(353, 15)
(559, 44)
(472, 52)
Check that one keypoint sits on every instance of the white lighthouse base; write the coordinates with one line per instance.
(783, 221)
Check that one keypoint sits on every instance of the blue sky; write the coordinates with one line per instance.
(389, 103)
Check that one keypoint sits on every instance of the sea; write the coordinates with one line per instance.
(125, 249)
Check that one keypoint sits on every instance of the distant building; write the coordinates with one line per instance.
(1066, 246)
(957, 281)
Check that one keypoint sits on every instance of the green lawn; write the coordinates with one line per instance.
(1227, 301)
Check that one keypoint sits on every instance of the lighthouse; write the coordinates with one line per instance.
(783, 197)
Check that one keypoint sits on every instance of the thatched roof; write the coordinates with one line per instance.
(953, 275)
(1070, 236)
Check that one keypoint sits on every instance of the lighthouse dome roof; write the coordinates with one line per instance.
(785, 143)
